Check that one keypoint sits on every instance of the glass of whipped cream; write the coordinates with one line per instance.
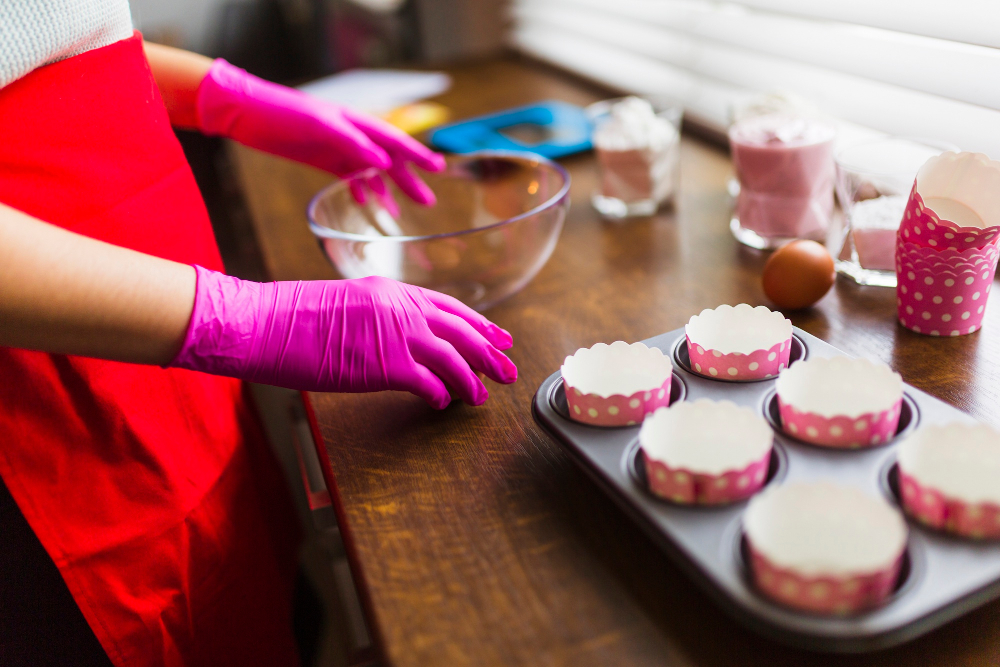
(637, 143)
(874, 179)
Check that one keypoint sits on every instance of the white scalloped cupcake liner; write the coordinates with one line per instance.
(617, 384)
(738, 343)
(706, 452)
(824, 547)
(840, 402)
(949, 478)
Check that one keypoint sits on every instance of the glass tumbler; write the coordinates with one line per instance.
(874, 178)
(784, 171)
(636, 179)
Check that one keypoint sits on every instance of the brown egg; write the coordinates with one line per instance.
(798, 274)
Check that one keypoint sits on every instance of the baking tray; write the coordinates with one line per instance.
(943, 576)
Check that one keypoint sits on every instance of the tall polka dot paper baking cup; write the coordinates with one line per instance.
(739, 343)
(617, 384)
(943, 293)
(706, 452)
(949, 478)
(866, 430)
(840, 402)
(933, 508)
(824, 547)
(964, 186)
(830, 595)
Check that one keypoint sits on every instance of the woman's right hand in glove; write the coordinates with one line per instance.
(368, 334)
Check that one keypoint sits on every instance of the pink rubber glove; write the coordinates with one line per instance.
(289, 123)
(358, 335)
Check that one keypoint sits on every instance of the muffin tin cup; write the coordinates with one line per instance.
(826, 595)
(929, 506)
(757, 365)
(616, 410)
(943, 293)
(867, 430)
(683, 486)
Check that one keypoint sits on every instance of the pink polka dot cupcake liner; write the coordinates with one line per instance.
(933, 508)
(757, 365)
(705, 452)
(688, 487)
(617, 384)
(616, 410)
(923, 227)
(825, 595)
(840, 402)
(943, 293)
(949, 478)
(739, 343)
(951, 189)
(868, 430)
(824, 547)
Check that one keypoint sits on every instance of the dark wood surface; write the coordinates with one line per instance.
(475, 539)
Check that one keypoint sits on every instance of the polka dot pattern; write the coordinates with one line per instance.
(929, 506)
(694, 488)
(754, 366)
(938, 289)
(616, 410)
(922, 226)
(867, 430)
(822, 594)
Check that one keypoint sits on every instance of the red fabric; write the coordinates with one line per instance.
(152, 490)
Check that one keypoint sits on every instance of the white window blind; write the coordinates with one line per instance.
(920, 68)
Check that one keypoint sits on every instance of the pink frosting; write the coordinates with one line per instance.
(684, 486)
(757, 365)
(943, 292)
(823, 594)
(616, 410)
(929, 506)
(868, 430)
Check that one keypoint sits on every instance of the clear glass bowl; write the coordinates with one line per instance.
(496, 222)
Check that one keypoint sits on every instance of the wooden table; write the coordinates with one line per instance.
(473, 538)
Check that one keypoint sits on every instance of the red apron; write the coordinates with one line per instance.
(152, 490)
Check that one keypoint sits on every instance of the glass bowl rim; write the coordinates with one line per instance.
(327, 233)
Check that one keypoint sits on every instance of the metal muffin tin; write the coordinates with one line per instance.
(943, 576)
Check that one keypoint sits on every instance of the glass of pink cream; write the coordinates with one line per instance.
(784, 166)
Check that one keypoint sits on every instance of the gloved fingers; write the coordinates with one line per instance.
(497, 337)
(471, 344)
(358, 190)
(396, 142)
(421, 382)
(354, 143)
(411, 184)
(378, 186)
(445, 362)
